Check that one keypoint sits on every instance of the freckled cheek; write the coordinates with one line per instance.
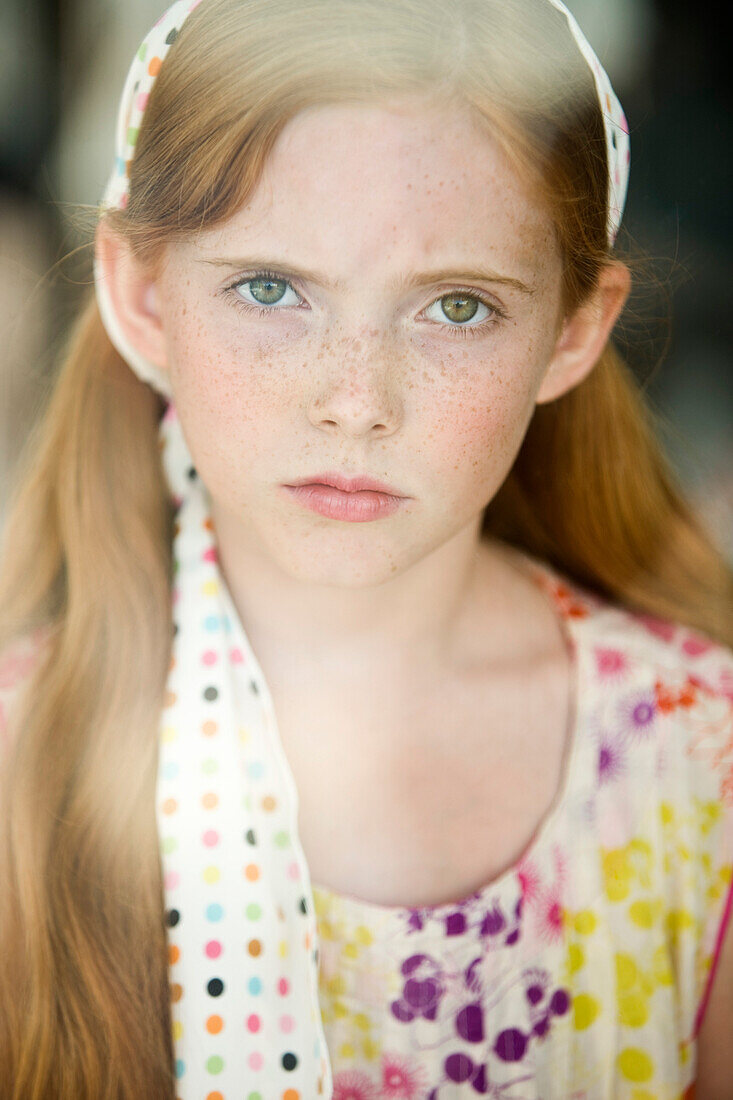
(479, 430)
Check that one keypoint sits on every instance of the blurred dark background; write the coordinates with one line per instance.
(62, 66)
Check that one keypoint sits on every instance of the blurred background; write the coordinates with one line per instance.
(62, 67)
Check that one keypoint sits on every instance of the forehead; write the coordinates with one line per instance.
(363, 187)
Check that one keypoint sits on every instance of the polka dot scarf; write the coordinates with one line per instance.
(242, 936)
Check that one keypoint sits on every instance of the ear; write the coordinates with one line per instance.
(585, 334)
(133, 293)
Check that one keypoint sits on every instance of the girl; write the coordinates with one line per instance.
(369, 682)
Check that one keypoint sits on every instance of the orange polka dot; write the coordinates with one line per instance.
(209, 728)
(170, 698)
(214, 1024)
(174, 953)
(170, 806)
(209, 524)
(254, 947)
(268, 802)
(251, 872)
(176, 992)
(291, 1094)
(307, 941)
(215, 1096)
(154, 66)
(176, 528)
(209, 801)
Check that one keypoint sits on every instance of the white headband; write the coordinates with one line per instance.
(141, 78)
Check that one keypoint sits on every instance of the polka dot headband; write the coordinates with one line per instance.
(136, 93)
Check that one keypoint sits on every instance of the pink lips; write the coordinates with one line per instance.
(348, 484)
(355, 500)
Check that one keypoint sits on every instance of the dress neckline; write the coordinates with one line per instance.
(572, 605)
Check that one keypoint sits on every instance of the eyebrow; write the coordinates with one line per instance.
(401, 282)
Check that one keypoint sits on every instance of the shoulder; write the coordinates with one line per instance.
(17, 664)
(687, 680)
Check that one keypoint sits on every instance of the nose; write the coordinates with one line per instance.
(356, 393)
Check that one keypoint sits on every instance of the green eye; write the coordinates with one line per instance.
(266, 291)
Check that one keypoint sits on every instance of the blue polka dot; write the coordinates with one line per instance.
(255, 985)
(256, 770)
(214, 912)
(180, 1067)
(171, 769)
(212, 622)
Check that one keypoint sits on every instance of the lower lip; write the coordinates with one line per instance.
(353, 507)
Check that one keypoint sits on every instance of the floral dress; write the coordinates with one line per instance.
(583, 970)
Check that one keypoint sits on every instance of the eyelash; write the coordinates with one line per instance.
(459, 330)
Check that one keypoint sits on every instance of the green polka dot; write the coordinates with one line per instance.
(215, 1064)
(254, 1096)
(254, 911)
(169, 844)
(282, 839)
(142, 51)
(209, 766)
(132, 135)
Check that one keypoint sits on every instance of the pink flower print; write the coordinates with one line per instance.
(402, 1078)
(551, 916)
(661, 628)
(351, 1084)
(637, 714)
(695, 645)
(612, 664)
(529, 880)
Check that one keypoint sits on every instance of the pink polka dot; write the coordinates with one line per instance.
(254, 1023)
(142, 100)
(210, 554)
(294, 870)
(209, 657)
(287, 1023)
(213, 949)
(283, 987)
(255, 1060)
(236, 656)
(211, 838)
(175, 595)
(172, 880)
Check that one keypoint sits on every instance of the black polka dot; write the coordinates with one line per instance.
(175, 629)
(211, 694)
(192, 475)
(289, 1061)
(215, 987)
(172, 36)
(613, 139)
(302, 905)
(172, 918)
(253, 686)
(249, 836)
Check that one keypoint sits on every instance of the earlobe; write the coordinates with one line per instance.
(133, 295)
(584, 334)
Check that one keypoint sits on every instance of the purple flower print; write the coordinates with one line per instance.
(422, 990)
(637, 715)
(611, 759)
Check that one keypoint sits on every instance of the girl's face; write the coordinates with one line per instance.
(387, 305)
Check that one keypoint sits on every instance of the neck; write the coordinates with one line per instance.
(418, 617)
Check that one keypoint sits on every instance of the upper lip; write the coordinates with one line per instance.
(347, 484)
